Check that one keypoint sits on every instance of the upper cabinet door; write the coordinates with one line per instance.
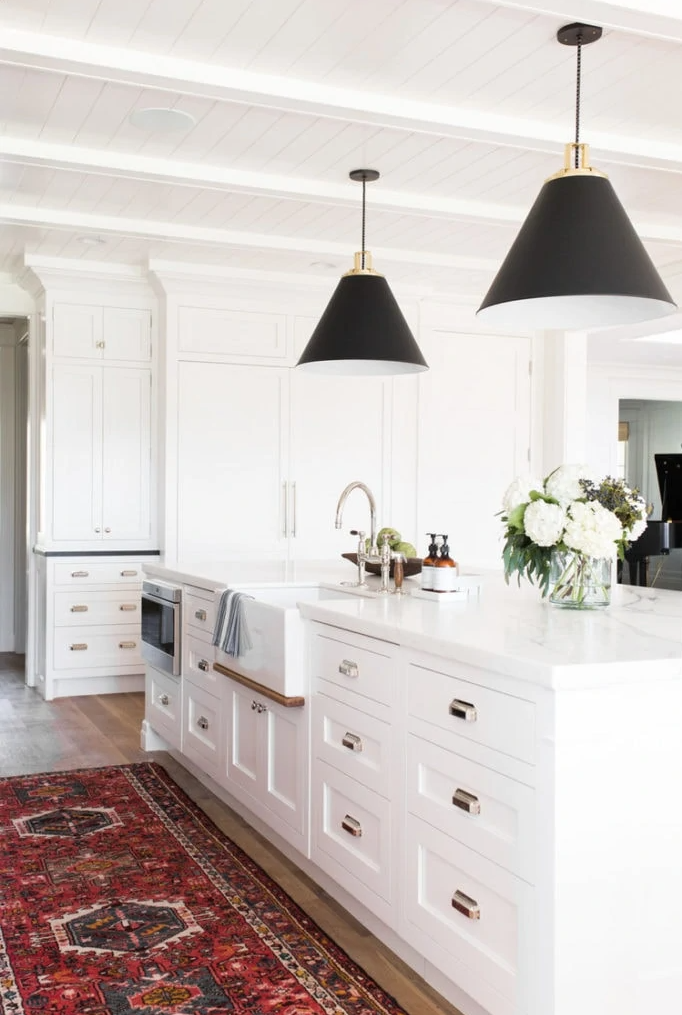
(126, 454)
(340, 429)
(77, 331)
(126, 334)
(76, 452)
(232, 461)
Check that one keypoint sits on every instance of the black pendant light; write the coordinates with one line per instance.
(362, 331)
(577, 262)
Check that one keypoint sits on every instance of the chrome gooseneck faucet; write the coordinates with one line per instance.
(356, 484)
(376, 555)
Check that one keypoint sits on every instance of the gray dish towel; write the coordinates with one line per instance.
(231, 632)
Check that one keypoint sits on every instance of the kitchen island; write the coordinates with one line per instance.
(492, 787)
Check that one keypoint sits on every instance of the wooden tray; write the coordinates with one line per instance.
(412, 565)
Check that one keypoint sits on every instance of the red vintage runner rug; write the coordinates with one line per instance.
(118, 895)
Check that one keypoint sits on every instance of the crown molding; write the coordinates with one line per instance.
(42, 274)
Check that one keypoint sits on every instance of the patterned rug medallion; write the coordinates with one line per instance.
(118, 895)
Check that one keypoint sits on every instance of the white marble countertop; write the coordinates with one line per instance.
(508, 629)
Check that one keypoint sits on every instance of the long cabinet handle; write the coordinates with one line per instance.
(79, 646)
(80, 574)
(79, 609)
(352, 826)
(466, 801)
(463, 710)
(293, 498)
(285, 509)
(466, 905)
(128, 574)
(127, 607)
(127, 644)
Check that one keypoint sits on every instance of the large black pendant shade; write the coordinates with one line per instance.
(362, 331)
(577, 262)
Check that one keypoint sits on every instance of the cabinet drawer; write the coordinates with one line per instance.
(486, 811)
(202, 734)
(197, 662)
(354, 663)
(94, 648)
(354, 742)
(78, 610)
(352, 835)
(466, 916)
(127, 572)
(163, 705)
(198, 612)
(476, 713)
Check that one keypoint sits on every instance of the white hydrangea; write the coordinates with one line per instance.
(544, 523)
(636, 531)
(592, 529)
(519, 492)
(564, 483)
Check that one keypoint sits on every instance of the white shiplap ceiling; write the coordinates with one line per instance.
(463, 105)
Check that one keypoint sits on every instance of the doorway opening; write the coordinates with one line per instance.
(14, 386)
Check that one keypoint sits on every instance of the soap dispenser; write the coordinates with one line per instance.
(445, 570)
(429, 563)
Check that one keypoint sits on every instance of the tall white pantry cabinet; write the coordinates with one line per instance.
(94, 469)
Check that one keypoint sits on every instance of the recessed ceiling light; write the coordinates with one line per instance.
(92, 241)
(324, 265)
(161, 119)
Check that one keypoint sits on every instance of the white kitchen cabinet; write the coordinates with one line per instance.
(267, 761)
(263, 454)
(101, 333)
(101, 478)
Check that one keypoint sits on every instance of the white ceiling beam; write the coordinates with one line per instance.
(658, 19)
(81, 222)
(155, 71)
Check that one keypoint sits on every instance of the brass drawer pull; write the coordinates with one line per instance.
(128, 607)
(352, 741)
(164, 699)
(348, 668)
(79, 609)
(463, 710)
(202, 722)
(352, 826)
(203, 665)
(80, 574)
(466, 801)
(466, 905)
(200, 614)
(128, 574)
(79, 646)
(127, 644)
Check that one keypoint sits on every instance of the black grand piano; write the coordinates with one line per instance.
(664, 535)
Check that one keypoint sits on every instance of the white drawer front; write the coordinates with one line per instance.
(198, 658)
(499, 721)
(365, 666)
(94, 648)
(487, 811)
(123, 572)
(163, 705)
(81, 607)
(479, 954)
(352, 835)
(354, 742)
(201, 735)
(199, 612)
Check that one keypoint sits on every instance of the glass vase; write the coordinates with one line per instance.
(577, 582)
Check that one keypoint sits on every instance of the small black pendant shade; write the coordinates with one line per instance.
(362, 331)
(577, 262)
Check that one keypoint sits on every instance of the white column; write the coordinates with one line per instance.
(563, 399)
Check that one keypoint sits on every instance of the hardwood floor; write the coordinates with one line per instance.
(41, 736)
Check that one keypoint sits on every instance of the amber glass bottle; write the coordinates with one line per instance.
(429, 563)
(445, 570)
